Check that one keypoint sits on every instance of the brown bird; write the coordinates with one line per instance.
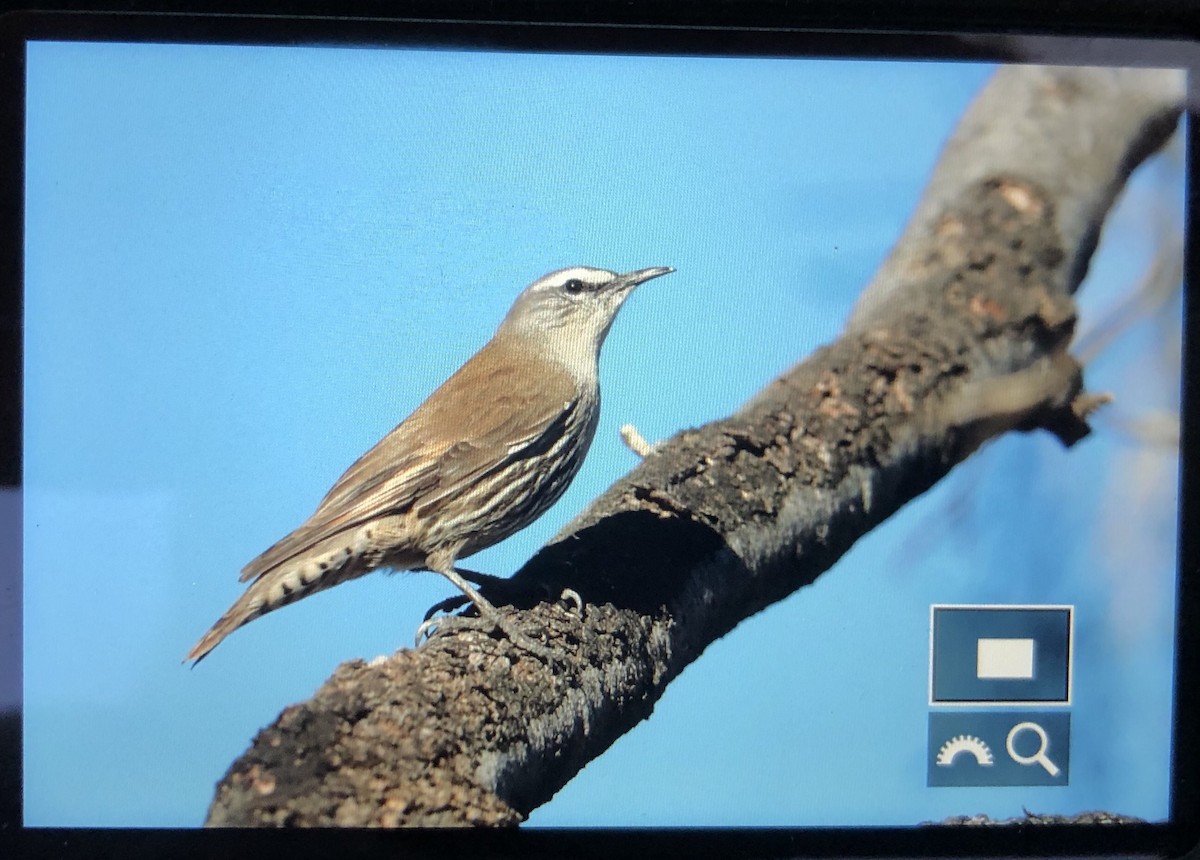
(484, 456)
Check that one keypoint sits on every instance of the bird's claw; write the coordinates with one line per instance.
(425, 631)
(447, 606)
(431, 626)
(428, 628)
(571, 596)
(450, 604)
(490, 619)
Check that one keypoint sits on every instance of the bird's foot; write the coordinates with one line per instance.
(486, 623)
(569, 597)
(520, 594)
(431, 626)
(486, 581)
(545, 652)
(487, 613)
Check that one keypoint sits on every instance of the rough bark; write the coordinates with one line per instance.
(962, 335)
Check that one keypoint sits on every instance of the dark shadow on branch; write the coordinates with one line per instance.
(633, 560)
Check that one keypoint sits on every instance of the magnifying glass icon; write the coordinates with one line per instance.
(1038, 757)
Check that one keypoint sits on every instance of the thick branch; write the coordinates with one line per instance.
(962, 336)
(1075, 133)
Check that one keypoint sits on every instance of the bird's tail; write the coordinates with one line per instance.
(245, 609)
(285, 584)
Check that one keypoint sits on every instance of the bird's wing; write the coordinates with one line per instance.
(510, 414)
(346, 507)
(466, 462)
(483, 415)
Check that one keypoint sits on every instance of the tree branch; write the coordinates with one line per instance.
(961, 336)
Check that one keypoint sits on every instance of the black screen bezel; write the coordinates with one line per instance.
(750, 29)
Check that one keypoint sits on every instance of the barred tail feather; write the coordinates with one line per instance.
(247, 607)
(277, 588)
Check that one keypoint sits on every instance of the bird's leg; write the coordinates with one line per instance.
(568, 596)
(491, 615)
(477, 577)
(451, 603)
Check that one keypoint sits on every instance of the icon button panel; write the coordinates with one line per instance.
(977, 748)
(1000, 655)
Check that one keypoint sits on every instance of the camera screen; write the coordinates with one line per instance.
(245, 264)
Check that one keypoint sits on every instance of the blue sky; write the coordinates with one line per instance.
(244, 265)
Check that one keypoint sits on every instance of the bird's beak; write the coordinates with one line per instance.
(629, 280)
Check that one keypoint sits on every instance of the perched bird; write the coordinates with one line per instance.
(484, 456)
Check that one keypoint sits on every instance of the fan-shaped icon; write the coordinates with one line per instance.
(968, 744)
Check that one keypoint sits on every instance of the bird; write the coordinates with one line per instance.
(486, 454)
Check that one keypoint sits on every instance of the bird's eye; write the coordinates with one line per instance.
(573, 286)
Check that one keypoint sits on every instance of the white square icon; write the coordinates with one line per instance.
(1004, 659)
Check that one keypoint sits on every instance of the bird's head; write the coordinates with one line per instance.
(573, 309)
